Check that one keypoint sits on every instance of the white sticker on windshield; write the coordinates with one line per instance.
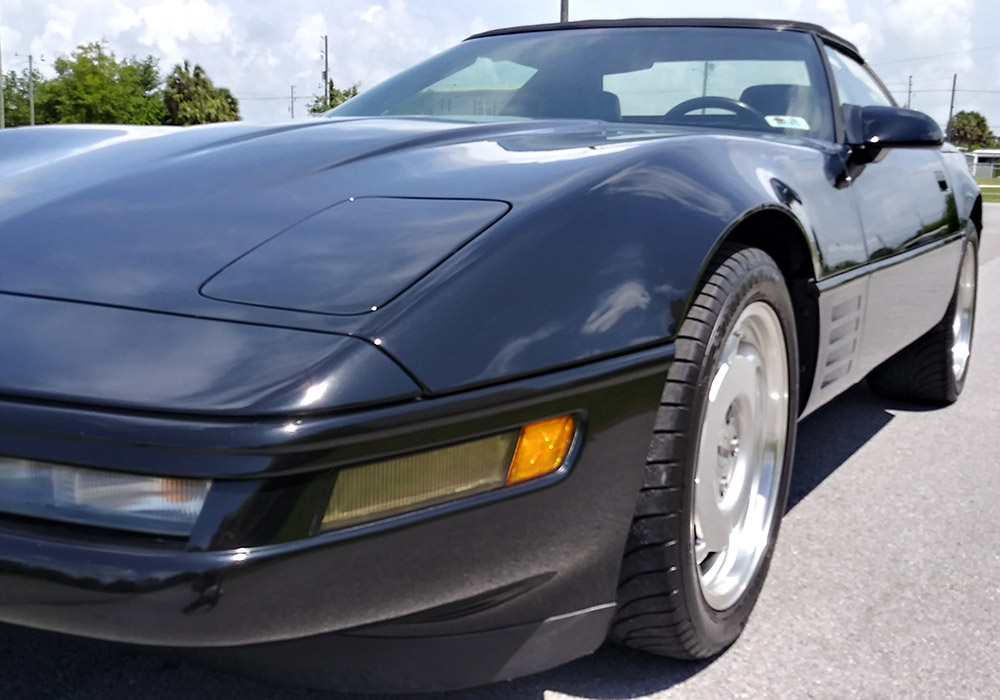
(787, 122)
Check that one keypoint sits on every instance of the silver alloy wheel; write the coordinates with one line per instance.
(741, 455)
(965, 310)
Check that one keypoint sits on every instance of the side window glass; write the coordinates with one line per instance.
(780, 90)
(854, 84)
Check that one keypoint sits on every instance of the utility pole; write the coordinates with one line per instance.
(3, 116)
(951, 111)
(564, 11)
(909, 93)
(31, 90)
(291, 107)
(326, 70)
(31, 86)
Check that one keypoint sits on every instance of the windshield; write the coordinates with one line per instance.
(746, 78)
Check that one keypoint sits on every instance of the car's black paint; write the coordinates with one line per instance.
(894, 126)
(82, 353)
(394, 241)
(544, 553)
(565, 180)
(126, 348)
(661, 195)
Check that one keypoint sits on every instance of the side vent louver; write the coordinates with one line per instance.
(842, 341)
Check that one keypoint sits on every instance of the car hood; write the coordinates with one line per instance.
(251, 270)
(76, 353)
(144, 217)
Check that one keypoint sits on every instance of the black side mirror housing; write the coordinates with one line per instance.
(871, 130)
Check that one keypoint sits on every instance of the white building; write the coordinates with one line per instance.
(984, 163)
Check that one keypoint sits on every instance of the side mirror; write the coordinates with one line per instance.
(870, 130)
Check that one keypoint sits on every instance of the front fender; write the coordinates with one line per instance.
(610, 266)
(963, 185)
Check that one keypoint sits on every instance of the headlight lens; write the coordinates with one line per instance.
(104, 499)
(166, 506)
(371, 491)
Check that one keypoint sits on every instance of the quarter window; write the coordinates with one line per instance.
(855, 84)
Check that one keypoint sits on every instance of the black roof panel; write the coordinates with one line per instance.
(777, 24)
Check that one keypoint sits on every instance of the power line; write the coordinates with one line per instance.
(256, 94)
(936, 55)
(274, 98)
(985, 92)
(916, 81)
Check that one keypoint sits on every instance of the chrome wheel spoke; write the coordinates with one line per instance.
(701, 551)
(740, 455)
(965, 310)
(715, 515)
(714, 532)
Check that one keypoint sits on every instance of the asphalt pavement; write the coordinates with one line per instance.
(885, 584)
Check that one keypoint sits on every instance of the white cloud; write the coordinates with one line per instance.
(307, 41)
(123, 18)
(369, 14)
(166, 24)
(59, 23)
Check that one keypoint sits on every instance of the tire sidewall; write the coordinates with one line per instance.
(765, 283)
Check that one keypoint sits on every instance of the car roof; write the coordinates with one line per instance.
(777, 24)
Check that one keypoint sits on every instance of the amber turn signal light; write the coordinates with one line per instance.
(541, 449)
(402, 484)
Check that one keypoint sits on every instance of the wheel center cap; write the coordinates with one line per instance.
(728, 451)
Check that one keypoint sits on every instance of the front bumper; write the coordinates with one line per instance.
(494, 586)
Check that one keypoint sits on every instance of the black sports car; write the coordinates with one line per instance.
(503, 357)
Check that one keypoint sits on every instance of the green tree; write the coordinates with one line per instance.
(15, 96)
(191, 98)
(971, 130)
(337, 97)
(93, 86)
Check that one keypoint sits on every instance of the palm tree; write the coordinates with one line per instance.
(191, 98)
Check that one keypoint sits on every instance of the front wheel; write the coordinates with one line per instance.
(719, 464)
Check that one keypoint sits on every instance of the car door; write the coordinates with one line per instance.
(910, 223)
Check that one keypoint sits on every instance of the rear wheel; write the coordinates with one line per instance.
(718, 468)
(933, 368)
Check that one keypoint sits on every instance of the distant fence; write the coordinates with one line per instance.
(983, 171)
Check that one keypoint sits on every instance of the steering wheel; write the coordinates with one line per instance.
(744, 112)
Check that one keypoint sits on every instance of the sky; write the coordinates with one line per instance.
(260, 49)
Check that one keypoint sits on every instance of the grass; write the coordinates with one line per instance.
(990, 195)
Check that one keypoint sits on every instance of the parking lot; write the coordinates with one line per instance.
(885, 583)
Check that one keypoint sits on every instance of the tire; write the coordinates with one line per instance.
(933, 368)
(669, 603)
